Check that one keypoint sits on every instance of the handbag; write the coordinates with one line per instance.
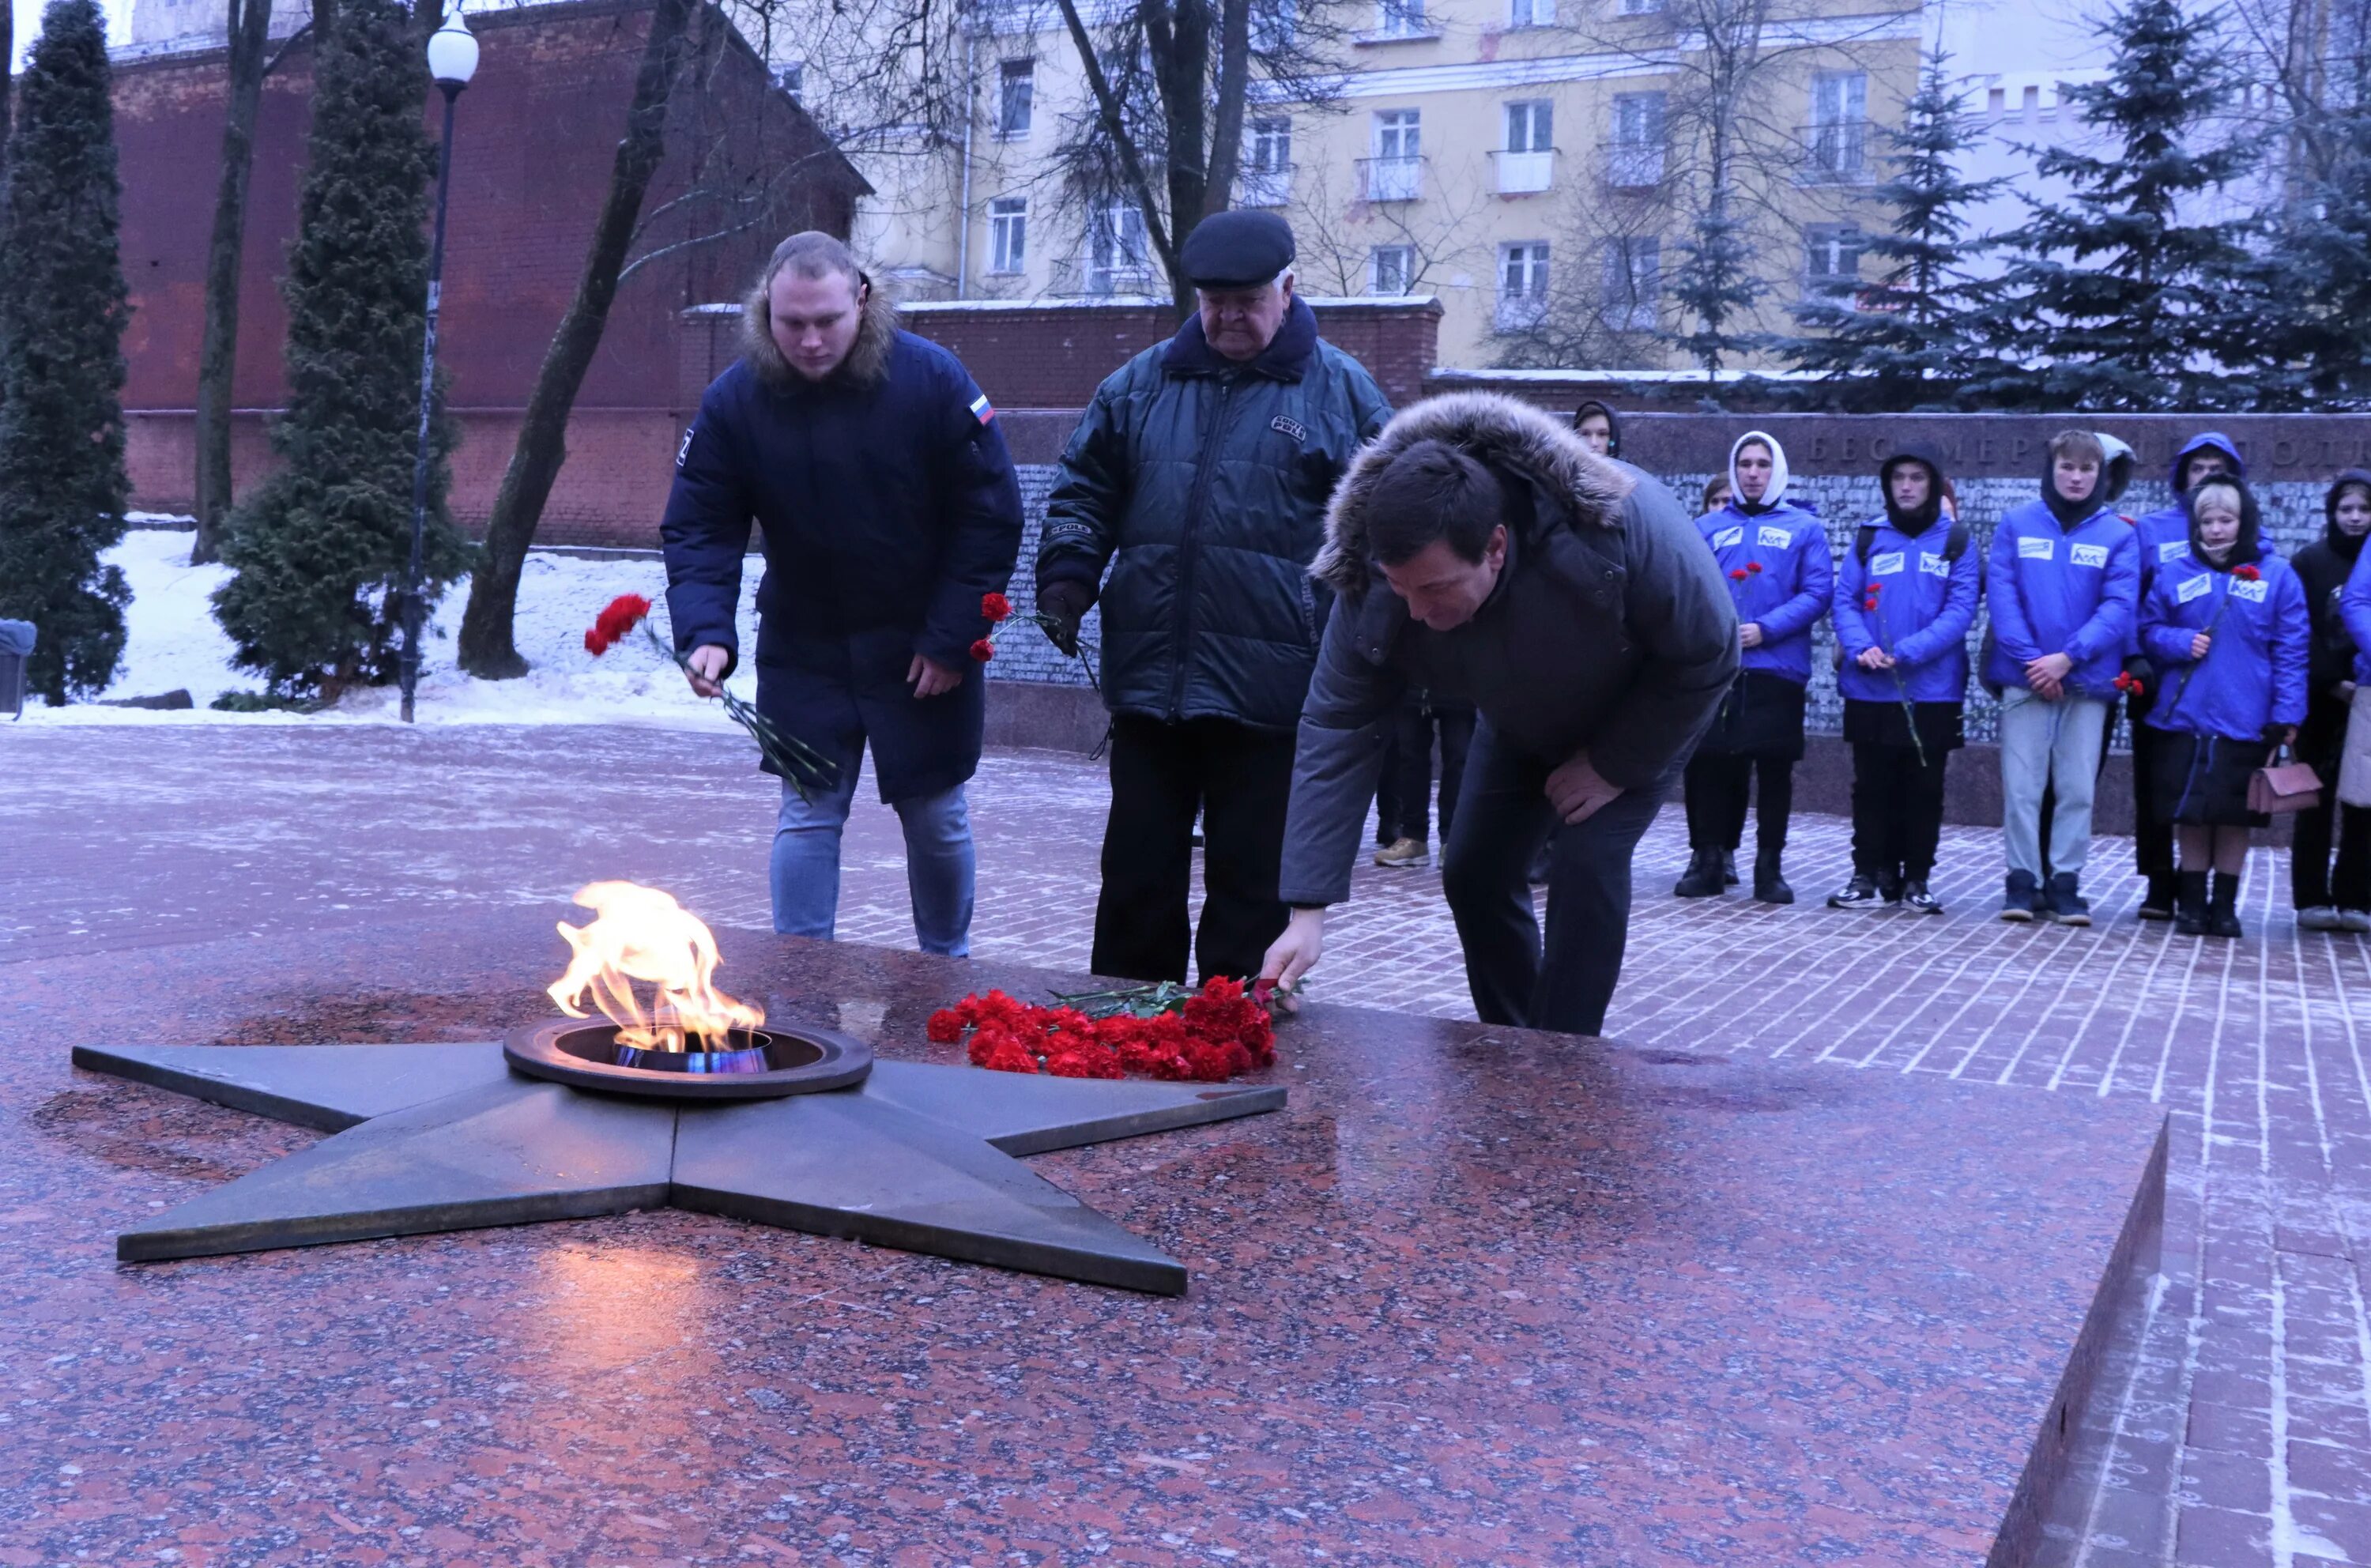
(2283, 787)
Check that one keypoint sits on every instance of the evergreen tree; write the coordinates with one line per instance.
(319, 549)
(2128, 295)
(1910, 348)
(62, 315)
(2316, 278)
(1716, 288)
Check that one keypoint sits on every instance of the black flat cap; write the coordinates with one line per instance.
(1237, 249)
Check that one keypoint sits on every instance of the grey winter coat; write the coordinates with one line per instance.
(1610, 630)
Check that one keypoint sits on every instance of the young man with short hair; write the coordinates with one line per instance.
(2064, 580)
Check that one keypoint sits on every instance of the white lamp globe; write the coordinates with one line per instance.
(453, 53)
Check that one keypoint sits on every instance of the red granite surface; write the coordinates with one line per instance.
(1479, 1296)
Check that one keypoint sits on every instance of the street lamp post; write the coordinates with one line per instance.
(452, 61)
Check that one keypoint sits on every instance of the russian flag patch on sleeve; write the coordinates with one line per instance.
(982, 410)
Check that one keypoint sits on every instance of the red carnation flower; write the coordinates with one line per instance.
(1738, 575)
(995, 606)
(620, 615)
(1753, 566)
(983, 650)
(945, 1027)
(2247, 573)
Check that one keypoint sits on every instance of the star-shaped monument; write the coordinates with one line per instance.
(449, 1138)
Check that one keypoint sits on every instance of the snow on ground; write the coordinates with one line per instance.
(174, 643)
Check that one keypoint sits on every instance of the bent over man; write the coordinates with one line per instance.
(1480, 550)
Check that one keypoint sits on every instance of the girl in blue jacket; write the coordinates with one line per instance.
(2229, 630)
(1774, 558)
(1905, 596)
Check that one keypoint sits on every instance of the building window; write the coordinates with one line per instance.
(1527, 162)
(1637, 7)
(1839, 131)
(1636, 158)
(791, 78)
(1523, 285)
(1530, 12)
(1400, 18)
(1267, 178)
(1632, 277)
(1391, 270)
(1831, 257)
(1393, 171)
(1116, 250)
(1017, 97)
(1273, 25)
(1008, 234)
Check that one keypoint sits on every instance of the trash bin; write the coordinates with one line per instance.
(16, 647)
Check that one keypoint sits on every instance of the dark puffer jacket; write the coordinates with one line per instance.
(1610, 630)
(1203, 482)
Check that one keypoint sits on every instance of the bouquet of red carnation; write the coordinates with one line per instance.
(998, 612)
(789, 756)
(2130, 683)
(1159, 1032)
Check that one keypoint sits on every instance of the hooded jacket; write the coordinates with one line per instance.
(1203, 483)
(1612, 424)
(2322, 568)
(2254, 671)
(1926, 600)
(886, 507)
(1607, 630)
(2063, 577)
(2164, 533)
(2355, 613)
(1774, 556)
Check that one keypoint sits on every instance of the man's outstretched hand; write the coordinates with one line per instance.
(1577, 790)
(705, 669)
(1294, 954)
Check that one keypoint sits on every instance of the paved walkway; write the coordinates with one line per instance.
(2244, 1435)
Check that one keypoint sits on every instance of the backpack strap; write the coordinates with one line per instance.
(1956, 545)
(1863, 542)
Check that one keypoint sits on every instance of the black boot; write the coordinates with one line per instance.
(1702, 879)
(1769, 887)
(2222, 910)
(2189, 903)
(2158, 903)
(1729, 868)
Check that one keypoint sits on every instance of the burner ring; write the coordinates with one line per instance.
(766, 1064)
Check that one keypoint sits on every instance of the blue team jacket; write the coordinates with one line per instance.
(1924, 606)
(1787, 594)
(2355, 609)
(2055, 590)
(2254, 673)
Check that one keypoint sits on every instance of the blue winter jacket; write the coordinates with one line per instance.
(2055, 590)
(2164, 535)
(1787, 594)
(1924, 606)
(2354, 610)
(2254, 671)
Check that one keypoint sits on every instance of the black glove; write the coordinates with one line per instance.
(1063, 602)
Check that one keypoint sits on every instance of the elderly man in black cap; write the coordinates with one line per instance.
(1201, 476)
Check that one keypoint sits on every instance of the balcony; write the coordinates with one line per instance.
(1088, 277)
(1524, 174)
(1519, 312)
(1265, 187)
(1836, 152)
(1631, 166)
(1390, 180)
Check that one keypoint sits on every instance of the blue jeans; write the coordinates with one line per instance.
(2054, 746)
(939, 864)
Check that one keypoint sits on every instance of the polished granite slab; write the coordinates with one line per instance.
(1474, 1296)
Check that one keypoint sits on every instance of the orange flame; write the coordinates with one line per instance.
(640, 933)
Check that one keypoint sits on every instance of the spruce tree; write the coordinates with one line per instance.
(62, 315)
(1910, 349)
(2128, 295)
(319, 549)
(1716, 288)
(2316, 351)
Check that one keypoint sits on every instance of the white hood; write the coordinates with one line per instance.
(1777, 490)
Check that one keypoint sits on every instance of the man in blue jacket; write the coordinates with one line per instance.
(1774, 556)
(2164, 535)
(1200, 474)
(1905, 596)
(2064, 578)
(887, 509)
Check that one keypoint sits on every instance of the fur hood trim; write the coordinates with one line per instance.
(867, 363)
(1495, 430)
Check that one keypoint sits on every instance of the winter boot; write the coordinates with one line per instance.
(1729, 868)
(2189, 903)
(2023, 893)
(1858, 893)
(1702, 879)
(2158, 903)
(2223, 909)
(2067, 905)
(1769, 887)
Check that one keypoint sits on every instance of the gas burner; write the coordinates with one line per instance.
(761, 1063)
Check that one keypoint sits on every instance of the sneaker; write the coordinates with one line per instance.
(2354, 920)
(2158, 901)
(1858, 893)
(1403, 853)
(2320, 919)
(2067, 906)
(2023, 893)
(1917, 899)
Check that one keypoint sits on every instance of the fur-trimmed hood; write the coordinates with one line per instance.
(1504, 435)
(867, 361)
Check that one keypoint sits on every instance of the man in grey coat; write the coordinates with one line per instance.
(1480, 549)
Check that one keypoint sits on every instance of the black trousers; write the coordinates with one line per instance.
(1718, 789)
(2312, 883)
(1502, 814)
(1240, 779)
(1897, 809)
(2152, 837)
(1387, 790)
(1411, 759)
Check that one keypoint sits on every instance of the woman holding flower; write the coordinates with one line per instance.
(2228, 631)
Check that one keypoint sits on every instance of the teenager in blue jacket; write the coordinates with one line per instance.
(2063, 578)
(2227, 630)
(1905, 596)
(2354, 615)
(1774, 556)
